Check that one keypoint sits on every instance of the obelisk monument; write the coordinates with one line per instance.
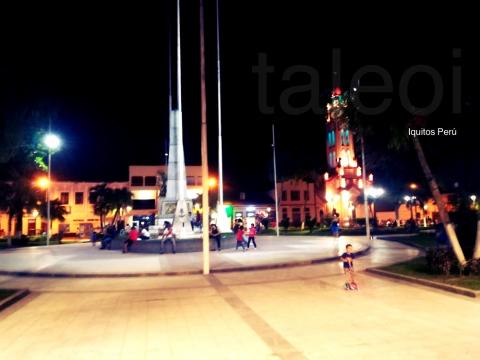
(176, 206)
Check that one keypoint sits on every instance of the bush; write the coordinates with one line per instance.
(441, 261)
(473, 267)
(22, 241)
(285, 223)
(310, 223)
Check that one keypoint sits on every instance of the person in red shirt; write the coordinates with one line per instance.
(132, 236)
(240, 239)
(251, 236)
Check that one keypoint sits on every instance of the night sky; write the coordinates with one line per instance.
(104, 73)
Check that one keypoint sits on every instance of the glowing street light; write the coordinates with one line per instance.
(52, 142)
(375, 192)
(42, 182)
(212, 182)
(473, 198)
(413, 186)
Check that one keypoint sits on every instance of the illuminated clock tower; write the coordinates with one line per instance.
(343, 180)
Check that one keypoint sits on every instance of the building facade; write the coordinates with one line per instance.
(145, 183)
(299, 199)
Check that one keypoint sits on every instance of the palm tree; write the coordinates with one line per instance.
(17, 198)
(57, 210)
(119, 199)
(99, 196)
(401, 139)
(398, 140)
(106, 200)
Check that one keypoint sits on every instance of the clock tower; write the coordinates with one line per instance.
(343, 180)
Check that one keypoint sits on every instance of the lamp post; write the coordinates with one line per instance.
(52, 142)
(375, 193)
(275, 180)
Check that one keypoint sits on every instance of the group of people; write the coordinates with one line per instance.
(244, 236)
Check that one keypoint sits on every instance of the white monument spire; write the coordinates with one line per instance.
(176, 206)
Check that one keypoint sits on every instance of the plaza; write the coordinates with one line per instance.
(287, 313)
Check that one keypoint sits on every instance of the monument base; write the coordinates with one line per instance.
(177, 213)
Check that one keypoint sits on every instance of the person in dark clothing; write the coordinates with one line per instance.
(217, 237)
(110, 234)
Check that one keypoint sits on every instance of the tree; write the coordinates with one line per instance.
(285, 223)
(119, 199)
(106, 200)
(310, 223)
(57, 211)
(98, 197)
(17, 198)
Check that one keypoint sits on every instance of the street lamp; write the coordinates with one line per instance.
(409, 200)
(212, 182)
(375, 193)
(52, 142)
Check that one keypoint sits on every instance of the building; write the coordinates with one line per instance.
(80, 218)
(145, 182)
(343, 180)
(299, 199)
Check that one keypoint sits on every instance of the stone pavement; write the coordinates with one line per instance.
(86, 260)
(290, 313)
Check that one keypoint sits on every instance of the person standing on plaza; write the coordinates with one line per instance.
(215, 234)
(251, 236)
(240, 240)
(334, 227)
(347, 259)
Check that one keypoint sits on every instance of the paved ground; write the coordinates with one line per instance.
(85, 259)
(292, 313)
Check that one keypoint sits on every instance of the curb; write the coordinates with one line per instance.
(12, 299)
(399, 239)
(445, 287)
(187, 272)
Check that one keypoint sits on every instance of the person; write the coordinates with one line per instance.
(168, 235)
(240, 239)
(193, 220)
(251, 236)
(198, 220)
(334, 227)
(144, 235)
(217, 237)
(132, 236)
(347, 259)
(109, 235)
(94, 238)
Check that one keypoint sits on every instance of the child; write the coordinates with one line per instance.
(251, 236)
(240, 239)
(347, 258)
